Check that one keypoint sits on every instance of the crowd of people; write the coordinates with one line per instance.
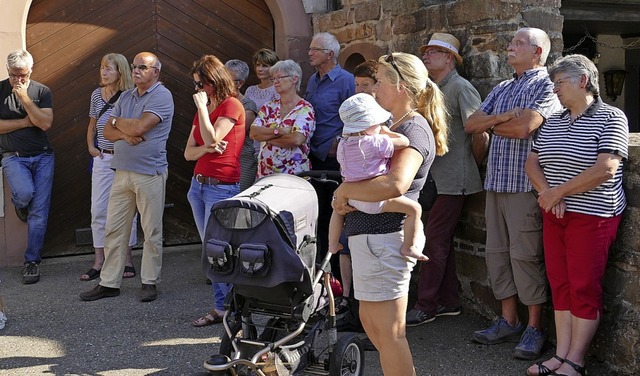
(554, 153)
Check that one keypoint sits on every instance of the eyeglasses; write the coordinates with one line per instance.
(519, 43)
(19, 76)
(199, 84)
(278, 79)
(142, 67)
(389, 59)
(562, 81)
(316, 49)
(433, 52)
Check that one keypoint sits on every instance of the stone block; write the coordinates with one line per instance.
(471, 266)
(333, 20)
(546, 20)
(470, 11)
(384, 30)
(366, 12)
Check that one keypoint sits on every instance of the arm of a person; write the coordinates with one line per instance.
(260, 133)
(480, 121)
(288, 139)
(249, 117)
(604, 169)
(535, 173)
(398, 140)
(11, 125)
(521, 126)
(91, 136)
(404, 166)
(193, 152)
(130, 126)
(468, 102)
(39, 117)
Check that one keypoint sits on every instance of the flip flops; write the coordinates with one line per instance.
(209, 319)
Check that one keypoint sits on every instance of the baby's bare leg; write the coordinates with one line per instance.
(335, 229)
(413, 228)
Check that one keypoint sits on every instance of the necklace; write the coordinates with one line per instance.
(401, 118)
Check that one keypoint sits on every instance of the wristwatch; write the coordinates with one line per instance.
(113, 122)
(276, 131)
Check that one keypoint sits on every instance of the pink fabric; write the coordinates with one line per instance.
(364, 157)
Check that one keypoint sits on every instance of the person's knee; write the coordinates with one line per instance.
(21, 197)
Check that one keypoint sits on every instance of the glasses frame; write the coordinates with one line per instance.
(391, 60)
(199, 84)
(142, 67)
(278, 79)
(316, 49)
(434, 51)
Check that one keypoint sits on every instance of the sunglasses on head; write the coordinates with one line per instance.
(389, 59)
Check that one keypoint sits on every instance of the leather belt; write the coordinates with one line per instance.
(22, 155)
(210, 181)
(106, 151)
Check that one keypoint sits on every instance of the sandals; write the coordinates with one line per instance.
(129, 272)
(544, 370)
(209, 319)
(580, 369)
(91, 275)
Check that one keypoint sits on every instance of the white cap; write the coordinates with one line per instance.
(361, 111)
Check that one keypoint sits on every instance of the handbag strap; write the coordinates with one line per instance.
(110, 103)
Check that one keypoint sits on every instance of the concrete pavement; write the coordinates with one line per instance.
(51, 331)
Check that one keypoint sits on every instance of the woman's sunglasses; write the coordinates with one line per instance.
(389, 59)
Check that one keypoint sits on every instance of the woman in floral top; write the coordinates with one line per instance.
(284, 126)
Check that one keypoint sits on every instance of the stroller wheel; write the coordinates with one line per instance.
(347, 358)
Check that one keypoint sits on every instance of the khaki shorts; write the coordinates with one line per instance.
(380, 272)
(514, 252)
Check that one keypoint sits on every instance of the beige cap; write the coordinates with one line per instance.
(446, 42)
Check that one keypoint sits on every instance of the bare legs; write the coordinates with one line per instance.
(390, 340)
(510, 312)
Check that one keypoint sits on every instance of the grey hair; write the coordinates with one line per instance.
(575, 66)
(239, 67)
(289, 67)
(330, 42)
(539, 38)
(20, 59)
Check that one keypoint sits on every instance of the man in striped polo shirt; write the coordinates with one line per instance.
(512, 112)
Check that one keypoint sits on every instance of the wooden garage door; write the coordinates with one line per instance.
(68, 38)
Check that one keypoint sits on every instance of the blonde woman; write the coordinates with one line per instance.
(380, 273)
(115, 77)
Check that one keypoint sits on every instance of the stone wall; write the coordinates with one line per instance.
(484, 28)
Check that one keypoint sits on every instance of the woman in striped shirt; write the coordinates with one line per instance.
(576, 167)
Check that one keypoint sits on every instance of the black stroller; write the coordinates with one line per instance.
(280, 317)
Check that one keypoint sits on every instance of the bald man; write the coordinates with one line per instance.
(139, 127)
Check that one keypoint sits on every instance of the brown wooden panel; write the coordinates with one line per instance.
(68, 38)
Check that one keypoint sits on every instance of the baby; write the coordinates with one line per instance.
(364, 153)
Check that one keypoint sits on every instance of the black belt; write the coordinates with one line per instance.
(106, 151)
(8, 154)
(210, 181)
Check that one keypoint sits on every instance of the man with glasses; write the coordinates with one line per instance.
(456, 175)
(513, 111)
(27, 156)
(139, 127)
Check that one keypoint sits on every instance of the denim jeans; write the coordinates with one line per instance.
(31, 179)
(202, 197)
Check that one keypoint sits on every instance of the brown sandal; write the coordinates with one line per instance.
(209, 319)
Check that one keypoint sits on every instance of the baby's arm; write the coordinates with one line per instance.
(398, 140)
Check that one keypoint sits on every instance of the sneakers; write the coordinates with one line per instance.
(445, 311)
(99, 292)
(530, 345)
(30, 273)
(148, 293)
(22, 213)
(417, 317)
(3, 319)
(500, 331)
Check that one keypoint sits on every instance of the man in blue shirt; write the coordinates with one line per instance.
(326, 90)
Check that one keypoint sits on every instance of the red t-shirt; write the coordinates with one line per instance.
(226, 166)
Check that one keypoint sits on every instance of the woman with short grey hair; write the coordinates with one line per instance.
(284, 126)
